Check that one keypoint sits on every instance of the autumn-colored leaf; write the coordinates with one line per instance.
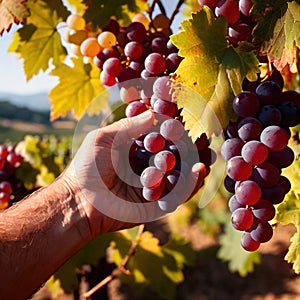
(213, 71)
(78, 86)
(38, 42)
(11, 11)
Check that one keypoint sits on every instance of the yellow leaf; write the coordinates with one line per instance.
(150, 243)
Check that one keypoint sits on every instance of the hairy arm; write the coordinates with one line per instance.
(37, 236)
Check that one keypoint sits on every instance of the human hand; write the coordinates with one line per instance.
(105, 186)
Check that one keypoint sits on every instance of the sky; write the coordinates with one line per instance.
(12, 78)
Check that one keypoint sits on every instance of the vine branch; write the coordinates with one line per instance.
(120, 269)
(176, 11)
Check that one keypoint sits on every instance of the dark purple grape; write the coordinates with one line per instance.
(173, 61)
(290, 96)
(290, 114)
(269, 115)
(262, 232)
(237, 169)
(229, 184)
(246, 104)
(274, 137)
(263, 210)
(266, 174)
(159, 45)
(231, 147)
(248, 243)
(249, 129)
(283, 158)
(165, 108)
(229, 9)
(239, 32)
(269, 92)
(233, 204)
(136, 32)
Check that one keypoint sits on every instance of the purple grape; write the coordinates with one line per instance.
(274, 137)
(245, 7)
(269, 92)
(159, 45)
(155, 63)
(269, 115)
(290, 114)
(162, 88)
(136, 32)
(254, 152)
(229, 9)
(231, 147)
(165, 160)
(173, 61)
(242, 219)
(112, 66)
(234, 204)
(171, 178)
(249, 129)
(135, 108)
(151, 177)
(262, 232)
(248, 243)
(239, 32)
(165, 108)
(152, 194)
(172, 130)
(133, 50)
(263, 210)
(283, 158)
(237, 169)
(154, 142)
(246, 104)
(266, 175)
(229, 184)
(168, 204)
(247, 192)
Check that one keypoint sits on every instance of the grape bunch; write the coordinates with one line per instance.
(237, 14)
(9, 162)
(142, 49)
(164, 157)
(256, 150)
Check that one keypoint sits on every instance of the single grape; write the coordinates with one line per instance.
(162, 88)
(107, 79)
(254, 152)
(207, 156)
(161, 21)
(263, 210)
(231, 147)
(266, 174)
(168, 204)
(126, 75)
(173, 61)
(112, 26)
(76, 22)
(107, 39)
(152, 194)
(290, 96)
(234, 204)
(262, 232)
(274, 137)
(249, 129)
(133, 50)
(151, 177)
(283, 158)
(248, 243)
(155, 63)
(209, 3)
(154, 142)
(90, 47)
(237, 169)
(165, 160)
(269, 115)
(75, 36)
(229, 9)
(159, 45)
(172, 130)
(112, 66)
(238, 32)
(246, 104)
(232, 129)
(247, 192)
(165, 108)
(136, 32)
(135, 108)
(269, 92)
(242, 219)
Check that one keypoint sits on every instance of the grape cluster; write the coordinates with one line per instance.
(256, 150)
(164, 157)
(9, 162)
(237, 14)
(142, 49)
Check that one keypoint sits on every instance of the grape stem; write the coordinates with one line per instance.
(121, 269)
(176, 11)
(160, 5)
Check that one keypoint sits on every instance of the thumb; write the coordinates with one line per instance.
(128, 128)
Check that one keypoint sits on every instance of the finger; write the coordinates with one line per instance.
(128, 128)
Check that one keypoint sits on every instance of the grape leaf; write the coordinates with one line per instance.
(281, 44)
(12, 11)
(151, 259)
(212, 69)
(293, 255)
(231, 251)
(79, 86)
(38, 41)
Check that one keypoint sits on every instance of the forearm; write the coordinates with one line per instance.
(36, 237)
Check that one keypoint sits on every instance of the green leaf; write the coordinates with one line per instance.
(213, 71)
(281, 45)
(79, 90)
(12, 11)
(239, 260)
(38, 42)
